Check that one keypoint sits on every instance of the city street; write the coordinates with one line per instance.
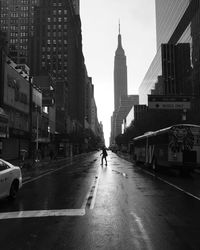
(83, 205)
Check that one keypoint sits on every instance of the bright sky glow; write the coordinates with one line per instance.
(100, 20)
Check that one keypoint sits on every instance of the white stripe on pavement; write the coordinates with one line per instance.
(95, 190)
(90, 197)
(142, 230)
(42, 213)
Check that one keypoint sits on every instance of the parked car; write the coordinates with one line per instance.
(10, 179)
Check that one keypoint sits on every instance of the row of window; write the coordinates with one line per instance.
(16, 14)
(22, 40)
(55, 27)
(56, 19)
(24, 20)
(19, 3)
(24, 8)
(54, 41)
(22, 34)
(3, 15)
(57, 4)
(14, 27)
(24, 1)
(55, 65)
(54, 49)
(59, 12)
(22, 27)
(20, 47)
(58, 57)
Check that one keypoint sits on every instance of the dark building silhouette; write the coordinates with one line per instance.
(120, 73)
(57, 45)
(174, 69)
(44, 37)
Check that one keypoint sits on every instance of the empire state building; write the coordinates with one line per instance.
(120, 73)
(122, 101)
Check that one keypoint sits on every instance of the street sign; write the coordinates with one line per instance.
(168, 102)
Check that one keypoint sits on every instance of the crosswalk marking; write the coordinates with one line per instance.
(42, 213)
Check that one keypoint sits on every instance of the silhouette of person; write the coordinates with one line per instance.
(51, 154)
(104, 155)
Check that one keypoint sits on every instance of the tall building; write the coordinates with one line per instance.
(57, 46)
(177, 28)
(126, 103)
(120, 73)
(168, 15)
(16, 19)
(46, 36)
(122, 101)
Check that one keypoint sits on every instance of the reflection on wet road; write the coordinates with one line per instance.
(82, 205)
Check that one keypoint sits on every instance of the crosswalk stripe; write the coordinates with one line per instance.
(42, 213)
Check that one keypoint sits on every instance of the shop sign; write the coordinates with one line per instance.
(16, 90)
(168, 102)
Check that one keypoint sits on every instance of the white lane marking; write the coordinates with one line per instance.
(91, 190)
(91, 194)
(171, 184)
(95, 189)
(87, 197)
(142, 230)
(42, 213)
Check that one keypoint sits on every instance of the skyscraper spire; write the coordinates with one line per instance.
(119, 47)
(120, 72)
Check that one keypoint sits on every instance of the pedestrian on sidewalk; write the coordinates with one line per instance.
(104, 155)
(51, 154)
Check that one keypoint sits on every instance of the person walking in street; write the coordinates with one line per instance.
(104, 155)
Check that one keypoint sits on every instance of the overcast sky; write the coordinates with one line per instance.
(100, 20)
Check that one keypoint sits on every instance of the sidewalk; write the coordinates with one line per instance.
(30, 166)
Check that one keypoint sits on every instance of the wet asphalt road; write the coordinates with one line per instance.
(82, 205)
